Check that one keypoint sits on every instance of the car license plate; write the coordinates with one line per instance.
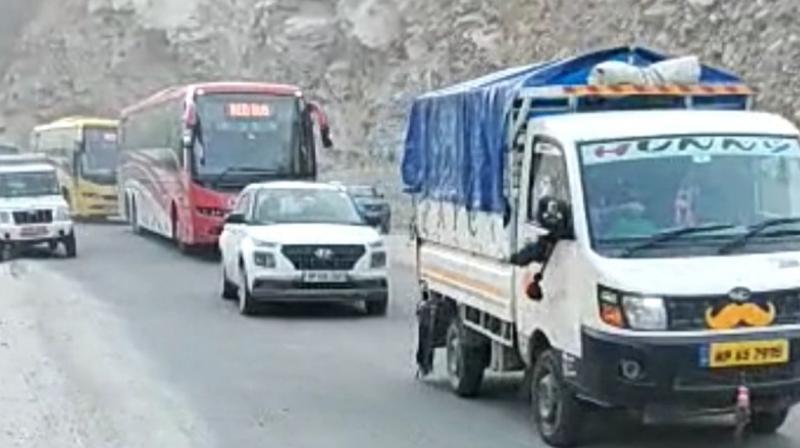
(324, 277)
(748, 353)
(33, 231)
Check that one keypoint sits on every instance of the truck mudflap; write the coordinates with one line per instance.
(433, 316)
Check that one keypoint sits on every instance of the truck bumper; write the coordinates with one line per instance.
(288, 291)
(673, 377)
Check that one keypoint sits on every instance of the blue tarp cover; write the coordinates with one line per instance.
(455, 136)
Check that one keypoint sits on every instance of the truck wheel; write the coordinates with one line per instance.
(768, 422)
(556, 411)
(246, 305)
(229, 291)
(465, 363)
(71, 246)
(377, 307)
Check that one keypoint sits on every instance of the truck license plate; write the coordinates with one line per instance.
(324, 277)
(33, 231)
(748, 353)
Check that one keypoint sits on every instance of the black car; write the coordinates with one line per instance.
(373, 206)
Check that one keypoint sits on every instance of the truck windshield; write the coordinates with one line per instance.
(720, 184)
(28, 184)
(259, 132)
(101, 151)
(305, 206)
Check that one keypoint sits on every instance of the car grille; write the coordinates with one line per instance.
(688, 313)
(33, 217)
(323, 257)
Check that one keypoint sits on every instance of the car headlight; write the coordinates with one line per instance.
(62, 214)
(264, 259)
(378, 260)
(633, 311)
(5, 218)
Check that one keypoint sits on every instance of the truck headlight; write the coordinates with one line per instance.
(264, 259)
(645, 313)
(62, 214)
(378, 260)
(5, 218)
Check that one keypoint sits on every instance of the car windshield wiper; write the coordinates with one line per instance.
(672, 234)
(755, 230)
(243, 170)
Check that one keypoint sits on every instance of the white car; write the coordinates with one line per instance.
(290, 242)
(32, 210)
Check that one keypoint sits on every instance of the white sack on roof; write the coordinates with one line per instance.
(681, 71)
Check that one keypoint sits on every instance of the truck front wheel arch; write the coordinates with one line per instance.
(537, 345)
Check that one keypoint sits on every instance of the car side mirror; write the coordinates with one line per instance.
(235, 218)
(553, 214)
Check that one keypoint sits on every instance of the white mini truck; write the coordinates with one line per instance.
(301, 242)
(629, 246)
(32, 210)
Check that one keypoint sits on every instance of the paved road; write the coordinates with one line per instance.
(315, 376)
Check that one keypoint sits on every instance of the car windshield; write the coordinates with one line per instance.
(259, 132)
(637, 188)
(101, 152)
(28, 184)
(282, 206)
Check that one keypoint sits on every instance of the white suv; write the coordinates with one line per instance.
(32, 211)
(301, 242)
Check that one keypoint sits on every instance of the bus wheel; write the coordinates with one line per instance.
(465, 362)
(133, 217)
(557, 413)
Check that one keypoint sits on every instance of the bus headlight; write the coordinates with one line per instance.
(5, 217)
(62, 214)
(645, 313)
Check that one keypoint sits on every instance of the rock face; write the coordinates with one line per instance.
(364, 59)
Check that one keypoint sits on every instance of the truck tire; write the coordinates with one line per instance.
(766, 423)
(229, 290)
(71, 246)
(377, 307)
(557, 413)
(246, 305)
(465, 362)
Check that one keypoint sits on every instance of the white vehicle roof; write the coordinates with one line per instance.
(27, 168)
(631, 124)
(294, 185)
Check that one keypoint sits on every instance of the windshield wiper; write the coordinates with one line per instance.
(754, 231)
(242, 169)
(672, 234)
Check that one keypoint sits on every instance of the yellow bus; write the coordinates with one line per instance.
(85, 151)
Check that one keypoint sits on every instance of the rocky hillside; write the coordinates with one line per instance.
(364, 59)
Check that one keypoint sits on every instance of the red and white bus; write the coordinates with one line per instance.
(187, 151)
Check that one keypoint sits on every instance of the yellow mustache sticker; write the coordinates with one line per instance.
(738, 314)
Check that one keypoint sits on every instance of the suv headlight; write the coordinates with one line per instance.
(5, 217)
(632, 311)
(62, 214)
(264, 259)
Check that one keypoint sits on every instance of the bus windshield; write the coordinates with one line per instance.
(101, 152)
(637, 188)
(249, 134)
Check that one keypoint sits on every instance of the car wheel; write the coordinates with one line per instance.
(377, 307)
(52, 245)
(229, 290)
(557, 413)
(246, 305)
(71, 246)
(768, 422)
(466, 363)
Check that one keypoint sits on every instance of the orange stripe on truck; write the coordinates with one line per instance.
(466, 284)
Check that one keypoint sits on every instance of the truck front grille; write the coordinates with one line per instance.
(312, 257)
(688, 313)
(33, 217)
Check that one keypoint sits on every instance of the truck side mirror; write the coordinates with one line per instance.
(553, 214)
(235, 218)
